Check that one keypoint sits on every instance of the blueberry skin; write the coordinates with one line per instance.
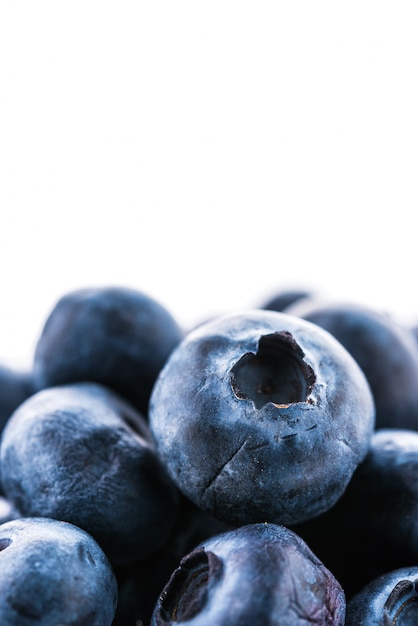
(51, 573)
(372, 529)
(15, 387)
(82, 454)
(389, 600)
(256, 574)
(385, 350)
(260, 416)
(115, 336)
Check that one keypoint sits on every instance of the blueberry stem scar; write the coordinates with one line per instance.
(277, 373)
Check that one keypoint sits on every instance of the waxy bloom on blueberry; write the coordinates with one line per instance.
(261, 574)
(261, 416)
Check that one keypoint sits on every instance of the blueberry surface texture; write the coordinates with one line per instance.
(116, 336)
(389, 600)
(385, 350)
(53, 573)
(82, 454)
(261, 416)
(258, 574)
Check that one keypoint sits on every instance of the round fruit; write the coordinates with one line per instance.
(261, 416)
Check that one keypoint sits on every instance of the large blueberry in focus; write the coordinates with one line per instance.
(260, 574)
(385, 350)
(372, 529)
(388, 600)
(261, 416)
(115, 336)
(82, 454)
(51, 573)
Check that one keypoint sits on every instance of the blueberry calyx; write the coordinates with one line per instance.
(277, 373)
(402, 602)
(185, 594)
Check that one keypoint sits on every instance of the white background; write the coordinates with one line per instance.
(207, 153)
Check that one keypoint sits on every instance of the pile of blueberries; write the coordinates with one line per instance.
(258, 469)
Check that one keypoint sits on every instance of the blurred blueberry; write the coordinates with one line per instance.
(115, 336)
(372, 529)
(53, 573)
(414, 331)
(15, 386)
(281, 300)
(385, 350)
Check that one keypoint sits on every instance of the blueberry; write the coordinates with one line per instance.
(82, 454)
(15, 386)
(255, 574)
(372, 529)
(261, 416)
(52, 572)
(283, 299)
(389, 600)
(115, 336)
(385, 350)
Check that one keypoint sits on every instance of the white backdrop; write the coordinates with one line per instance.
(207, 153)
